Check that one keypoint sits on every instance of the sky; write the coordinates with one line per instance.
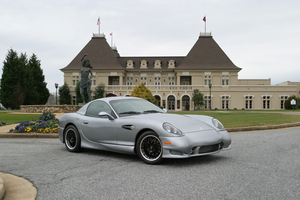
(261, 37)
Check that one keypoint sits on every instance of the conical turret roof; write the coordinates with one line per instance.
(206, 54)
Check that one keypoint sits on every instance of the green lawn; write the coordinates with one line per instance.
(15, 118)
(229, 119)
(244, 119)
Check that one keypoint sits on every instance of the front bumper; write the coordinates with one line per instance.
(61, 134)
(196, 144)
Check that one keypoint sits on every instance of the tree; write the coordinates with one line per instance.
(143, 92)
(197, 98)
(22, 81)
(12, 94)
(287, 103)
(38, 81)
(99, 91)
(35, 87)
(64, 94)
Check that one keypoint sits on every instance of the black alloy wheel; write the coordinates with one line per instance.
(149, 148)
(72, 139)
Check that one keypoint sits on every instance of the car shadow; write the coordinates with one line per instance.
(200, 160)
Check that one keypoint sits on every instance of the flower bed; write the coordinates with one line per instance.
(36, 126)
(2, 123)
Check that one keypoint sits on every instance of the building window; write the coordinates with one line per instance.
(225, 78)
(144, 64)
(207, 80)
(113, 80)
(225, 102)
(282, 101)
(130, 64)
(248, 102)
(266, 100)
(171, 80)
(157, 64)
(129, 80)
(206, 102)
(185, 80)
(171, 64)
(225, 81)
(75, 80)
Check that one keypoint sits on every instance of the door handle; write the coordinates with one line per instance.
(85, 122)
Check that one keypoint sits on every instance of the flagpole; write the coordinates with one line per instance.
(204, 19)
(111, 34)
(99, 25)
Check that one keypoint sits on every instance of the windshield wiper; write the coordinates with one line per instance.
(151, 111)
(130, 113)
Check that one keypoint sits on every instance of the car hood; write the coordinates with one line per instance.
(182, 122)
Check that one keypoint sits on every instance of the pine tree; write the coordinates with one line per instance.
(64, 95)
(22, 81)
(143, 92)
(40, 86)
(12, 94)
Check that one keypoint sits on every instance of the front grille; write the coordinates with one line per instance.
(209, 148)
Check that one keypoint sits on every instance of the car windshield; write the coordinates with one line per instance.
(127, 107)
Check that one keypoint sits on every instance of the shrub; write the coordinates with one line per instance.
(2, 123)
(47, 116)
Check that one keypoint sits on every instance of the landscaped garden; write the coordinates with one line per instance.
(47, 123)
(28, 123)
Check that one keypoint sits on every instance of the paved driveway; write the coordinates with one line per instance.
(261, 165)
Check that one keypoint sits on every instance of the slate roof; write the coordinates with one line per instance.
(206, 54)
(99, 53)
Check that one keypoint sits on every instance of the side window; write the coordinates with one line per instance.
(96, 107)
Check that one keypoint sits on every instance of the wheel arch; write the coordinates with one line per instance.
(139, 134)
(66, 126)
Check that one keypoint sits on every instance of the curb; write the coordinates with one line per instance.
(28, 135)
(2, 189)
(230, 130)
(267, 127)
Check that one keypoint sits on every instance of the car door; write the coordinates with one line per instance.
(98, 129)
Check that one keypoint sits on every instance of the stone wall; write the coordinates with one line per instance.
(49, 108)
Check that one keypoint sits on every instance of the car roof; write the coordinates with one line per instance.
(105, 99)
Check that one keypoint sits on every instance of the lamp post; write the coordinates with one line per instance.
(56, 86)
(210, 85)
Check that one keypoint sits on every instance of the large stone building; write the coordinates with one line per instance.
(172, 79)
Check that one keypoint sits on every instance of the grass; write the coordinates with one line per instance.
(228, 119)
(245, 119)
(14, 118)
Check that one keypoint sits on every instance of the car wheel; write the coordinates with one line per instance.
(149, 148)
(72, 139)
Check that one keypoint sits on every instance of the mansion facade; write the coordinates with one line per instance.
(173, 79)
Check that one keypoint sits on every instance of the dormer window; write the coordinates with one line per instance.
(157, 64)
(144, 64)
(130, 64)
(171, 64)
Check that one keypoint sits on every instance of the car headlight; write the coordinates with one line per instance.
(217, 124)
(171, 129)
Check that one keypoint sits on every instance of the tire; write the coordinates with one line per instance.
(149, 148)
(72, 139)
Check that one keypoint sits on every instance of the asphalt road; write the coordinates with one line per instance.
(261, 165)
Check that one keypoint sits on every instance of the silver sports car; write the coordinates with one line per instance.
(136, 126)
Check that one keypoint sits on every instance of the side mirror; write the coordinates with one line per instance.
(105, 114)
(165, 110)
